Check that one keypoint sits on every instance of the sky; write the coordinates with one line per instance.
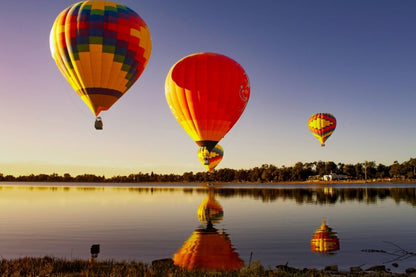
(354, 59)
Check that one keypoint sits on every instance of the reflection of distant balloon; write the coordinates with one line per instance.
(324, 240)
(210, 159)
(210, 210)
(322, 125)
(206, 249)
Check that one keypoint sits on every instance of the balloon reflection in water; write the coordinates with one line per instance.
(324, 240)
(210, 210)
(206, 248)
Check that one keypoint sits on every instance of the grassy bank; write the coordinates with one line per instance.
(56, 267)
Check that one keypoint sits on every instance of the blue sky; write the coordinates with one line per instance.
(354, 59)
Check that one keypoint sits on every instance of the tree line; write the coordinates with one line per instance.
(368, 170)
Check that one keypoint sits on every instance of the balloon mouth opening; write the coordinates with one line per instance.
(208, 144)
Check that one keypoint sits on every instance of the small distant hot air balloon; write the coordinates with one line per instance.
(101, 48)
(210, 159)
(210, 210)
(324, 240)
(207, 93)
(322, 125)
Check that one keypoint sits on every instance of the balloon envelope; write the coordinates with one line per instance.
(210, 159)
(207, 93)
(322, 125)
(101, 48)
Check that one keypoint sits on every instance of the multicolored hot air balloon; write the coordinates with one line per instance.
(324, 240)
(210, 159)
(210, 210)
(207, 93)
(322, 125)
(101, 48)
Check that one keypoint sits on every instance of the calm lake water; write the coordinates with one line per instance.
(191, 223)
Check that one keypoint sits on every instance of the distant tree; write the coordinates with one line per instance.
(369, 169)
(285, 174)
(225, 175)
(395, 170)
(349, 170)
(408, 168)
(340, 168)
(320, 168)
(188, 177)
(382, 171)
(359, 170)
(330, 167)
(68, 177)
(254, 175)
(298, 172)
(241, 175)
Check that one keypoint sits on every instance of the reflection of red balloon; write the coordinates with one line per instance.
(324, 240)
(207, 93)
(210, 210)
(207, 249)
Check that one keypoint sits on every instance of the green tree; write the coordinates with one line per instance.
(320, 168)
(359, 171)
(330, 167)
(395, 171)
(349, 170)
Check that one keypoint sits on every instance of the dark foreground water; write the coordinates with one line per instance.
(195, 225)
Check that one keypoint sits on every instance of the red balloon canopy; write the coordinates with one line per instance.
(207, 93)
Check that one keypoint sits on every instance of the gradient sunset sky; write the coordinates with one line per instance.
(355, 59)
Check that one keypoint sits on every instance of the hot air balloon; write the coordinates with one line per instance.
(210, 159)
(210, 210)
(322, 125)
(101, 48)
(324, 240)
(207, 93)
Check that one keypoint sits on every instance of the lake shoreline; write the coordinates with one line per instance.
(49, 266)
(214, 183)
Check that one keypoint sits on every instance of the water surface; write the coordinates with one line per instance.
(272, 224)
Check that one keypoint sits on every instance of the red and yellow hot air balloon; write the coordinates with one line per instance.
(210, 159)
(207, 93)
(324, 240)
(101, 48)
(322, 125)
